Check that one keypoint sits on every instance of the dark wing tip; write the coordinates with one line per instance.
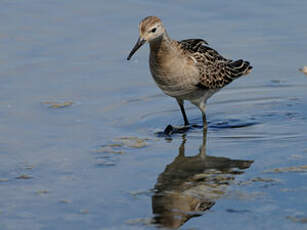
(193, 44)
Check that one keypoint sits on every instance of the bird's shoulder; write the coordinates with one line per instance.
(200, 50)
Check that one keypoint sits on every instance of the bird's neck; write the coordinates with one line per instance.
(161, 45)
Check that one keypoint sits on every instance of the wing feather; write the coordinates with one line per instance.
(215, 70)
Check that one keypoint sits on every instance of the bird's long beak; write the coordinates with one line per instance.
(138, 44)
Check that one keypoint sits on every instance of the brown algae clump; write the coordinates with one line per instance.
(24, 177)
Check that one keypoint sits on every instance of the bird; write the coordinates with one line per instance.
(187, 70)
(304, 70)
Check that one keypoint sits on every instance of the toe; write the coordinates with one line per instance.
(169, 130)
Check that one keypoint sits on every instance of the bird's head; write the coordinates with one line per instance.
(150, 29)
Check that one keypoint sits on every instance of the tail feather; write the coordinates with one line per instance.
(238, 68)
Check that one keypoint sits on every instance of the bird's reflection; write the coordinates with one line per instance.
(191, 185)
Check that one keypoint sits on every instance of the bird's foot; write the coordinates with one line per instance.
(169, 130)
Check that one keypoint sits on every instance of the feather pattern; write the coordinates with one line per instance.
(215, 70)
(188, 69)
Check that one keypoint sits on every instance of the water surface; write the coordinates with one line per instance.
(94, 161)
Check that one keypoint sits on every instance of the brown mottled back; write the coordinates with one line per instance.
(215, 71)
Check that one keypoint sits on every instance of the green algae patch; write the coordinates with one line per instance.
(58, 105)
(84, 211)
(65, 201)
(302, 168)
(109, 149)
(105, 162)
(138, 193)
(133, 142)
(29, 167)
(42, 192)
(260, 180)
(140, 221)
(243, 195)
(302, 220)
(108, 155)
(119, 145)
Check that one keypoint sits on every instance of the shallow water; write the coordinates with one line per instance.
(79, 144)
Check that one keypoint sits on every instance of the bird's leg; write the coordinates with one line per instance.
(205, 121)
(185, 118)
(202, 152)
(171, 129)
(181, 148)
(202, 108)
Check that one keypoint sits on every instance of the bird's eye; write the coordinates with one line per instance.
(153, 30)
